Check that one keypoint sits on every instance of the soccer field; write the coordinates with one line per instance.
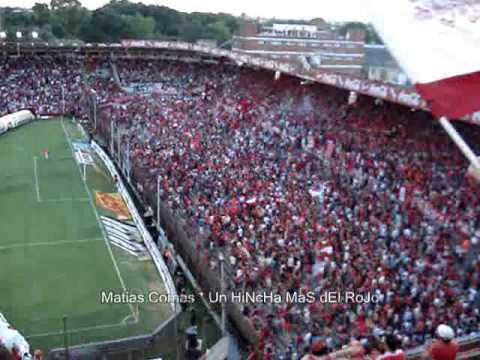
(54, 257)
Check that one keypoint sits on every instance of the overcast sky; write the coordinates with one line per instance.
(338, 10)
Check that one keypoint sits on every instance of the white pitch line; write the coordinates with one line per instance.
(78, 330)
(126, 320)
(37, 186)
(52, 243)
(107, 243)
(54, 158)
(65, 200)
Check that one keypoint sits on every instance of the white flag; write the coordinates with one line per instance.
(437, 42)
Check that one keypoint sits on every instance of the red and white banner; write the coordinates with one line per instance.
(437, 42)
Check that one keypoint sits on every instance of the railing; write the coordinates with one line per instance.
(469, 348)
(147, 238)
(185, 237)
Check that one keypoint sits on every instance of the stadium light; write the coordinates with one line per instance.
(34, 34)
(3, 35)
(19, 36)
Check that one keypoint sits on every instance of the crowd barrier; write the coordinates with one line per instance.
(10, 337)
(16, 119)
(469, 348)
(147, 238)
(183, 239)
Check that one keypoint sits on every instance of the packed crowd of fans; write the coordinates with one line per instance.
(305, 193)
(46, 85)
(302, 192)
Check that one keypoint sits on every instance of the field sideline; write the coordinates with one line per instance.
(54, 255)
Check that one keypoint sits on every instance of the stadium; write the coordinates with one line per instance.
(169, 200)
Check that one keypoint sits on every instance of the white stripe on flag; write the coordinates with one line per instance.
(431, 39)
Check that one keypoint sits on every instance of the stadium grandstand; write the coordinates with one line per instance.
(335, 214)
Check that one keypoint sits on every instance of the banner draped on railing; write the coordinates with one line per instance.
(149, 243)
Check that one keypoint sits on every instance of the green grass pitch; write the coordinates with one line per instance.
(54, 260)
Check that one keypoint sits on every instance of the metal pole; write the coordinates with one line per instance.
(123, 163)
(127, 161)
(63, 100)
(119, 154)
(177, 340)
(65, 337)
(111, 139)
(222, 291)
(158, 202)
(94, 112)
(462, 145)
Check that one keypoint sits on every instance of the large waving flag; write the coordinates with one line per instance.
(437, 42)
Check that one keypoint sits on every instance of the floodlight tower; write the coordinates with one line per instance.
(18, 35)
(2, 30)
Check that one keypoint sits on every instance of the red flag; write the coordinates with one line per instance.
(437, 44)
(195, 142)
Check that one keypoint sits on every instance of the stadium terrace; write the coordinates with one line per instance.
(282, 186)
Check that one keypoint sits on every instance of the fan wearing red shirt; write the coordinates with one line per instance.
(393, 349)
(445, 348)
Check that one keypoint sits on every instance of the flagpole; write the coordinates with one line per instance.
(158, 202)
(112, 139)
(458, 140)
(94, 112)
(128, 159)
(119, 148)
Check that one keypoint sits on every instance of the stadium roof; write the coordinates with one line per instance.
(393, 93)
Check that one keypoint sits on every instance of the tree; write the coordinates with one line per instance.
(41, 14)
(61, 4)
(191, 31)
(17, 19)
(371, 36)
(230, 21)
(167, 21)
(58, 29)
(343, 30)
(138, 26)
(219, 31)
(67, 17)
(105, 26)
(118, 19)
